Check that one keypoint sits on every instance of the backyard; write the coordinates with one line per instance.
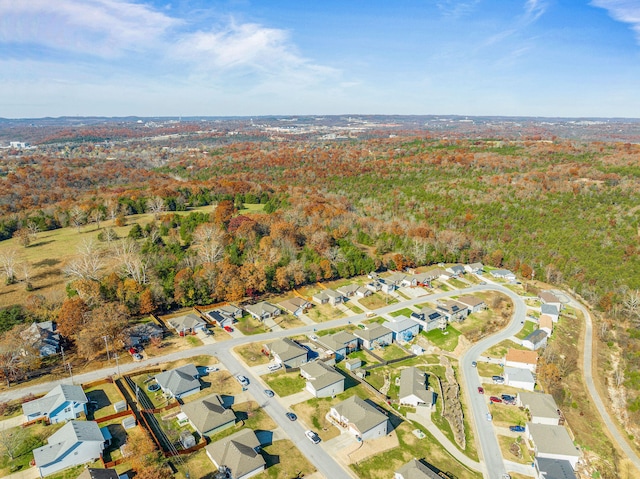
(295, 464)
(101, 398)
(23, 442)
(446, 340)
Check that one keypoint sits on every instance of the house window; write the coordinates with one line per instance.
(67, 409)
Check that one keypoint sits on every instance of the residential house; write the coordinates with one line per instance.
(415, 469)
(453, 310)
(373, 286)
(402, 328)
(473, 303)
(552, 442)
(225, 315)
(94, 473)
(348, 290)
(295, 305)
(375, 335)
(363, 292)
(231, 310)
(142, 333)
(456, 270)
(546, 323)
(187, 324)
(550, 310)
(287, 352)
(401, 280)
(43, 338)
(413, 388)
(263, 310)
(62, 403)
(542, 408)
(535, 340)
(554, 469)
(322, 380)
(237, 455)
(503, 274)
(429, 319)
(517, 358)
(179, 382)
(328, 296)
(476, 268)
(208, 415)
(547, 297)
(75, 443)
(341, 343)
(441, 274)
(360, 418)
(423, 278)
(387, 287)
(519, 378)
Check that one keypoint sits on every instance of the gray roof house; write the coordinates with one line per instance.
(288, 352)
(415, 469)
(187, 323)
(225, 315)
(374, 335)
(403, 328)
(142, 333)
(180, 382)
(519, 378)
(360, 418)
(554, 468)
(413, 388)
(550, 310)
(43, 338)
(474, 267)
(429, 319)
(328, 296)
(473, 303)
(208, 415)
(62, 403)
(503, 274)
(542, 408)
(77, 442)
(348, 290)
(322, 380)
(456, 269)
(263, 310)
(553, 442)
(295, 305)
(547, 297)
(453, 310)
(238, 453)
(535, 340)
(341, 343)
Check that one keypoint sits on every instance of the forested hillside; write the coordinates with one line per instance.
(563, 211)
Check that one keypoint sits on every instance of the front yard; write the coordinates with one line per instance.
(447, 340)
(249, 325)
(252, 354)
(284, 383)
(377, 300)
(24, 441)
(528, 328)
(324, 312)
(515, 449)
(284, 460)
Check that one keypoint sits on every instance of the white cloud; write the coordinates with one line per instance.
(455, 8)
(98, 27)
(534, 9)
(625, 11)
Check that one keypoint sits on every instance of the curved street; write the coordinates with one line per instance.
(491, 457)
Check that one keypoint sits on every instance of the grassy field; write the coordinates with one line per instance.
(284, 383)
(105, 395)
(324, 312)
(505, 415)
(250, 325)
(528, 328)
(252, 354)
(392, 351)
(402, 312)
(447, 340)
(27, 439)
(500, 349)
(288, 321)
(377, 300)
(487, 369)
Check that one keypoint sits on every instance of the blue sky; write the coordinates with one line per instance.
(240, 57)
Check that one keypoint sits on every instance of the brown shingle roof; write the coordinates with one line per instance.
(526, 357)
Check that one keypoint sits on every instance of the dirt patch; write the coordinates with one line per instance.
(366, 449)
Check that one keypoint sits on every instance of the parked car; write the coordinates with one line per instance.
(212, 369)
(291, 416)
(268, 393)
(274, 366)
(481, 390)
(474, 364)
(133, 350)
(137, 357)
(508, 399)
(495, 399)
(498, 379)
(312, 436)
(242, 380)
(228, 329)
(516, 428)
(489, 416)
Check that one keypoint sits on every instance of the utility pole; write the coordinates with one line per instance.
(115, 355)
(65, 365)
(106, 345)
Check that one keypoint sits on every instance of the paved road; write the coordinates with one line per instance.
(587, 367)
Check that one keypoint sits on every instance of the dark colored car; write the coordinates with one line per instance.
(516, 428)
(481, 390)
(291, 416)
(495, 399)
(508, 398)
(268, 392)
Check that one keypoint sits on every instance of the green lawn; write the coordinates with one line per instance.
(528, 328)
(377, 300)
(284, 383)
(105, 395)
(488, 369)
(500, 349)
(457, 283)
(506, 415)
(249, 325)
(506, 444)
(284, 460)
(391, 352)
(356, 309)
(447, 340)
(26, 440)
(402, 312)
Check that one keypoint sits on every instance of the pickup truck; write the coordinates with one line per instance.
(516, 428)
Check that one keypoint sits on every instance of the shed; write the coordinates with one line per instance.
(120, 406)
(129, 422)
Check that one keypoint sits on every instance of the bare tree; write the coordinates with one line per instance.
(96, 216)
(12, 441)
(113, 209)
(618, 374)
(87, 264)
(26, 273)
(156, 206)
(631, 305)
(209, 240)
(76, 217)
(133, 264)
(33, 230)
(8, 261)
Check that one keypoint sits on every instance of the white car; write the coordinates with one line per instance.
(312, 436)
(212, 369)
(242, 380)
(274, 366)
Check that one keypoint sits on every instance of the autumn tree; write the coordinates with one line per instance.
(71, 317)
(224, 212)
(526, 271)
